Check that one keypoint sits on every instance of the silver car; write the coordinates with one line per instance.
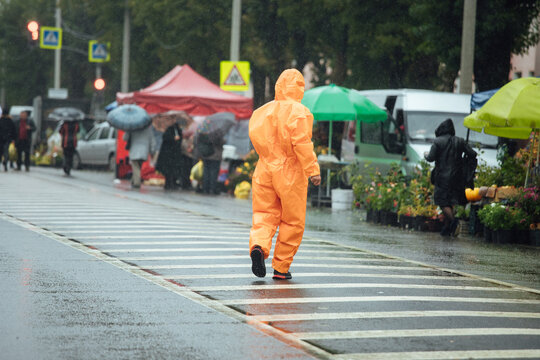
(98, 147)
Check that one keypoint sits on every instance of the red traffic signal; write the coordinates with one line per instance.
(99, 84)
(33, 27)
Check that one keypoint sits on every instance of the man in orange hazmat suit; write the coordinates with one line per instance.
(281, 134)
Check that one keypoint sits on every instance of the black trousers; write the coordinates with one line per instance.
(185, 172)
(23, 147)
(68, 158)
(210, 176)
(4, 152)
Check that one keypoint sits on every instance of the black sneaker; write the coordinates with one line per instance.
(257, 262)
(281, 276)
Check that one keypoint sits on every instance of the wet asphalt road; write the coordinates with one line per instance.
(91, 269)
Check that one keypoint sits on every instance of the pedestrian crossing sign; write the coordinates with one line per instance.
(50, 38)
(234, 75)
(98, 52)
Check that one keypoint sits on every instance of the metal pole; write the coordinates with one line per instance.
(329, 153)
(3, 89)
(98, 71)
(467, 47)
(57, 52)
(235, 30)
(125, 50)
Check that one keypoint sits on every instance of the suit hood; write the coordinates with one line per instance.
(290, 85)
(445, 128)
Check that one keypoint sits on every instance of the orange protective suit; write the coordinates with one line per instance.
(281, 134)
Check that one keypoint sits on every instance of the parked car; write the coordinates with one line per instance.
(98, 147)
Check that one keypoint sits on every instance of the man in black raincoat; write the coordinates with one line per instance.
(448, 175)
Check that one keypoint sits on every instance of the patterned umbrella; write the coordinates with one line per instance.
(66, 114)
(129, 118)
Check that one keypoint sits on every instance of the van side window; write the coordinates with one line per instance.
(370, 133)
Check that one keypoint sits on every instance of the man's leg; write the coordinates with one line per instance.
(291, 228)
(4, 148)
(136, 168)
(68, 159)
(266, 218)
(214, 166)
(206, 176)
(26, 150)
(19, 156)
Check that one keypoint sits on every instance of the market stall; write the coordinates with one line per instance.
(183, 89)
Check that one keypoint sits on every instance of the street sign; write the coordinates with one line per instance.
(234, 75)
(60, 93)
(98, 52)
(50, 38)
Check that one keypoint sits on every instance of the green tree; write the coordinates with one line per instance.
(503, 27)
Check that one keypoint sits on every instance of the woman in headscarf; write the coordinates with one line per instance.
(170, 160)
(447, 176)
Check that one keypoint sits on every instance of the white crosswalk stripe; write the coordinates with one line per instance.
(339, 293)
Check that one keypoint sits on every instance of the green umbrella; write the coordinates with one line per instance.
(336, 103)
(512, 112)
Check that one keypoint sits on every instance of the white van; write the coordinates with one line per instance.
(410, 130)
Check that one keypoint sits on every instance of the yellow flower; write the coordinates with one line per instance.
(246, 164)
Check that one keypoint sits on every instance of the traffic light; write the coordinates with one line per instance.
(99, 84)
(33, 33)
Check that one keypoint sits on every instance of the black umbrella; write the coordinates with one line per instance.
(66, 114)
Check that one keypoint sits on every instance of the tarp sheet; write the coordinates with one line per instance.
(183, 88)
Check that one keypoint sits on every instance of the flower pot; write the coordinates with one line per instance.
(488, 235)
(522, 237)
(389, 218)
(420, 223)
(406, 222)
(503, 236)
(369, 215)
(434, 225)
(534, 237)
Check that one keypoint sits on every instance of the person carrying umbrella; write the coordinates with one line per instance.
(68, 132)
(281, 134)
(208, 146)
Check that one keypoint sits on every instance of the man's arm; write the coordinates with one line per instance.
(300, 130)
(432, 155)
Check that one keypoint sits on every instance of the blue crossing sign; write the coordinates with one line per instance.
(98, 52)
(50, 38)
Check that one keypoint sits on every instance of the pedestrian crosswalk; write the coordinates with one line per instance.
(342, 303)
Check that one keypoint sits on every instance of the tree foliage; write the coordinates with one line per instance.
(360, 44)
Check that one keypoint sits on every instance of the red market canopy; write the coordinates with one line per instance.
(183, 88)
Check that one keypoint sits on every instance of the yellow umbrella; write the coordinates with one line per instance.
(512, 112)
(474, 123)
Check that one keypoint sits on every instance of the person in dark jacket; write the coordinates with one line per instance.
(69, 131)
(447, 176)
(169, 162)
(7, 136)
(24, 128)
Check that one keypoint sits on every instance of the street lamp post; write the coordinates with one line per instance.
(467, 47)
(235, 30)
(57, 52)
